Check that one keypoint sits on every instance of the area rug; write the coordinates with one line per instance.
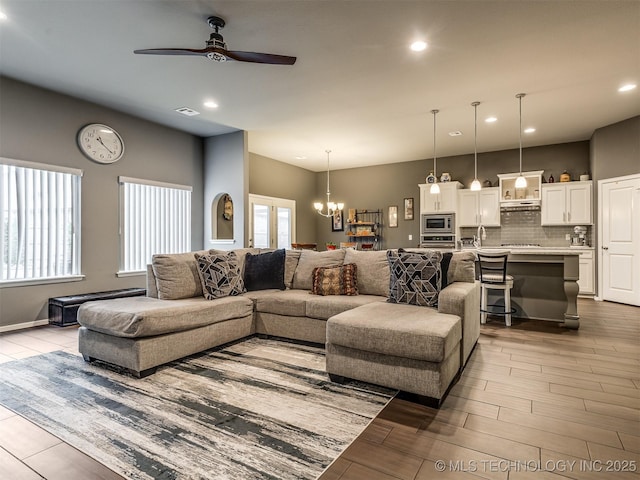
(259, 409)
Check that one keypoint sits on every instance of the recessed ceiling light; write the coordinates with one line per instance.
(3, 16)
(490, 119)
(300, 157)
(627, 88)
(189, 112)
(457, 133)
(210, 104)
(529, 130)
(418, 46)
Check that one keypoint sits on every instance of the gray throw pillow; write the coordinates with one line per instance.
(416, 278)
(303, 277)
(462, 267)
(220, 275)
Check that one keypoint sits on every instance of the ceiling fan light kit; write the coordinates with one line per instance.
(216, 50)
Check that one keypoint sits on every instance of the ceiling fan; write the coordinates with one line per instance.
(216, 50)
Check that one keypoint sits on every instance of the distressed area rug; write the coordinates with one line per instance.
(260, 409)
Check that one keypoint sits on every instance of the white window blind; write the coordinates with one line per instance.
(39, 221)
(155, 218)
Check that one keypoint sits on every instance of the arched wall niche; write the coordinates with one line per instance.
(222, 217)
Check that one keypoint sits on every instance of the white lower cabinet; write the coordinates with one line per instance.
(587, 271)
(479, 208)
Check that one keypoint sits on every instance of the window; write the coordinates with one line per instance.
(39, 222)
(154, 218)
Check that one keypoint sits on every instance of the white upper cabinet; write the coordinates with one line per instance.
(567, 203)
(444, 202)
(479, 208)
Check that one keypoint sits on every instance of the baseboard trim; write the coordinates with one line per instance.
(22, 326)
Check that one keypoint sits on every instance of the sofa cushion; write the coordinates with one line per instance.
(415, 278)
(220, 275)
(280, 302)
(406, 331)
(291, 262)
(309, 259)
(145, 316)
(462, 267)
(325, 307)
(341, 280)
(177, 275)
(264, 270)
(373, 270)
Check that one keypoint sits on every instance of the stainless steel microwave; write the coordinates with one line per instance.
(437, 223)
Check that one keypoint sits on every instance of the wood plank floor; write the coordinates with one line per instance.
(536, 401)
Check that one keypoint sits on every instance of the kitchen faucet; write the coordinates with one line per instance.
(480, 236)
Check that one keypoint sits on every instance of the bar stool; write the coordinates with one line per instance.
(493, 275)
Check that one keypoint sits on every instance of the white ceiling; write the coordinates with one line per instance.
(356, 88)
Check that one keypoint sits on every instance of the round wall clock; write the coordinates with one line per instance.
(100, 143)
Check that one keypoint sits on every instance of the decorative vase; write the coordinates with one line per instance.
(445, 177)
(431, 178)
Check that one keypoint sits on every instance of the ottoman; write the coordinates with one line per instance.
(410, 348)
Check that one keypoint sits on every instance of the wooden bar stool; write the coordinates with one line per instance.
(493, 275)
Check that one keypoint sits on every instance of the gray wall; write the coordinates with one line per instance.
(615, 149)
(277, 179)
(40, 126)
(380, 186)
(226, 170)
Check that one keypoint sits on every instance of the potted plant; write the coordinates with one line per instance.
(331, 246)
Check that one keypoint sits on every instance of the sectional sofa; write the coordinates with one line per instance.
(414, 348)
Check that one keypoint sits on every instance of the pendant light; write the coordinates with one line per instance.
(332, 207)
(475, 185)
(521, 182)
(435, 188)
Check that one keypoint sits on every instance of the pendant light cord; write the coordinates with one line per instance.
(435, 170)
(475, 139)
(520, 95)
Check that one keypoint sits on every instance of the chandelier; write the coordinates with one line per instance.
(332, 207)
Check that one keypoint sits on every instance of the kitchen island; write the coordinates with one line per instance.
(544, 284)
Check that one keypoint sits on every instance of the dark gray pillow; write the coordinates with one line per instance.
(264, 271)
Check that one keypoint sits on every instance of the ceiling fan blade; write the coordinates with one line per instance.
(174, 51)
(260, 58)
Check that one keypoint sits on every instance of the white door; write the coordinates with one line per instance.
(619, 238)
(272, 222)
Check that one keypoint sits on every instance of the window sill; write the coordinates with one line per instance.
(137, 273)
(40, 281)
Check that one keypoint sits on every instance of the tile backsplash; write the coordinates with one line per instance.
(523, 227)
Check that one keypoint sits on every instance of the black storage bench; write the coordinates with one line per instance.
(63, 311)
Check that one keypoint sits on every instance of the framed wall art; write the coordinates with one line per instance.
(393, 216)
(337, 223)
(408, 208)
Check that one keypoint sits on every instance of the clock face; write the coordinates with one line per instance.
(100, 143)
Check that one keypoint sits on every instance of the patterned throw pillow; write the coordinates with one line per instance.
(341, 280)
(416, 278)
(220, 275)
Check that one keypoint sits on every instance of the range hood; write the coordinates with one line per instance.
(520, 205)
